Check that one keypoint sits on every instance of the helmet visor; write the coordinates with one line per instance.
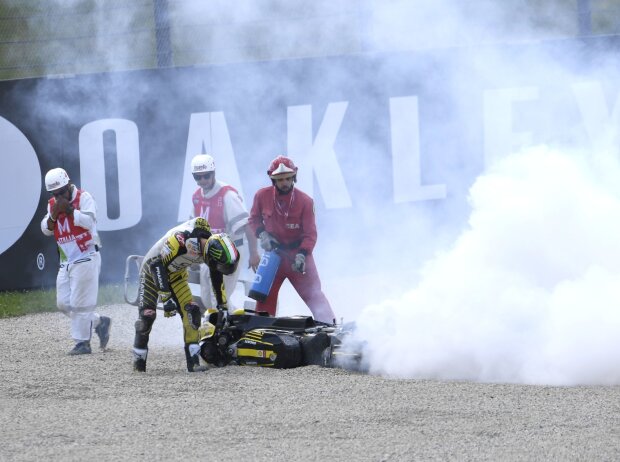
(227, 268)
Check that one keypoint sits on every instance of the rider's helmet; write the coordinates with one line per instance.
(203, 163)
(282, 167)
(221, 251)
(56, 178)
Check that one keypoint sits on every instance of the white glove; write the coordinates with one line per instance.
(267, 241)
(299, 264)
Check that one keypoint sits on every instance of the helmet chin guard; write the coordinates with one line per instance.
(221, 251)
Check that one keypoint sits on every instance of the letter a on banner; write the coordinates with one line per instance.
(208, 134)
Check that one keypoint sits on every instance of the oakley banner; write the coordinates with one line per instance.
(387, 145)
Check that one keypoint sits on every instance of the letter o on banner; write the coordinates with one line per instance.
(92, 171)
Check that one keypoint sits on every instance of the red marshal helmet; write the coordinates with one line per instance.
(281, 167)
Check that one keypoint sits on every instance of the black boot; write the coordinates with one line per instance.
(103, 331)
(139, 360)
(81, 348)
(193, 360)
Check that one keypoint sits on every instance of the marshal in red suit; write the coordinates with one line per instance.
(282, 217)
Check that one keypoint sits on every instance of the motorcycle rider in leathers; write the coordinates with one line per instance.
(164, 276)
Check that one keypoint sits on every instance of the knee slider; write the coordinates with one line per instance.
(148, 313)
(143, 329)
(144, 324)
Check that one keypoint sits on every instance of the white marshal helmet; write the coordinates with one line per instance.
(203, 163)
(56, 178)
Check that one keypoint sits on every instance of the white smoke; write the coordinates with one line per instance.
(529, 293)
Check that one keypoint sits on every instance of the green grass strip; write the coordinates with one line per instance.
(21, 302)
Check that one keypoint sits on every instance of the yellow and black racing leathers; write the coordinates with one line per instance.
(164, 276)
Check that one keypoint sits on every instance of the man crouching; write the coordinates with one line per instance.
(164, 276)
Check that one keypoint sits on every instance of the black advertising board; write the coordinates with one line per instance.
(387, 145)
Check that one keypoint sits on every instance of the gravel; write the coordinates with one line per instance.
(58, 407)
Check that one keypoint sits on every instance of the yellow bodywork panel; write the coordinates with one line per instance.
(257, 353)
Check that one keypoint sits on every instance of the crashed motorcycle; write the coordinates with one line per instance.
(276, 342)
(251, 338)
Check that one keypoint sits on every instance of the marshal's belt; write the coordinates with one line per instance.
(290, 245)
